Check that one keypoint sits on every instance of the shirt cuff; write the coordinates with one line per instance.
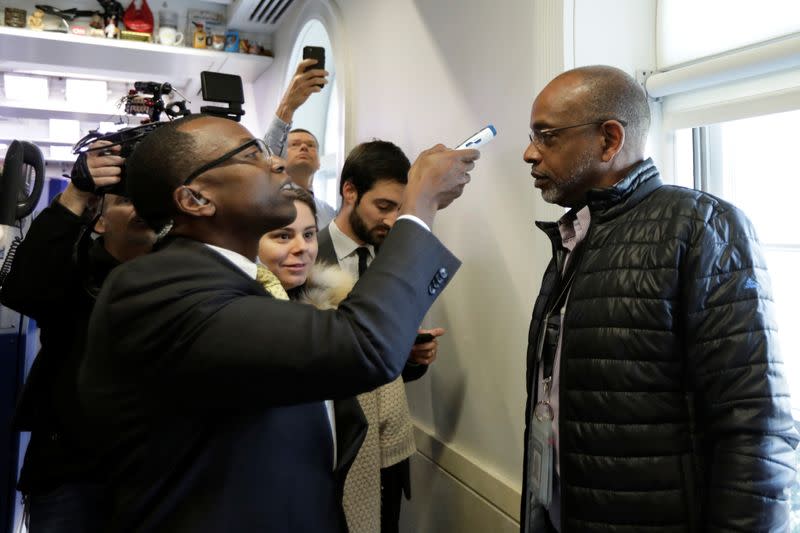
(276, 136)
(415, 219)
(279, 123)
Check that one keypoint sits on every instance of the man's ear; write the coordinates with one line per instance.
(193, 203)
(349, 193)
(614, 139)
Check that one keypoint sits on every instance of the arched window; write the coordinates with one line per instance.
(320, 114)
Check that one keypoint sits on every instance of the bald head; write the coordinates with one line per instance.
(602, 92)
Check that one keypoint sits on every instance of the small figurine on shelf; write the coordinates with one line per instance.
(96, 26)
(112, 32)
(35, 21)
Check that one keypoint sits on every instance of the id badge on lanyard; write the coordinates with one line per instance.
(541, 457)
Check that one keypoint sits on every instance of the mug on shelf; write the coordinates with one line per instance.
(170, 36)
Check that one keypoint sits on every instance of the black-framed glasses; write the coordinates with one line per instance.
(263, 153)
(544, 137)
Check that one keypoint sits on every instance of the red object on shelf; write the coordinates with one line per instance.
(140, 20)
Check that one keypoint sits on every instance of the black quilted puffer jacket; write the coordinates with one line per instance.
(674, 408)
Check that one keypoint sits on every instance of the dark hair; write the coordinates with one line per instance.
(298, 194)
(301, 130)
(372, 161)
(612, 93)
(158, 166)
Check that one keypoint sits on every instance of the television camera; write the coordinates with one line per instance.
(147, 98)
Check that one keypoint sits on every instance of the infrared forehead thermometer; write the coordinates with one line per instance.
(479, 139)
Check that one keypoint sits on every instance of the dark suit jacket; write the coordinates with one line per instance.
(327, 255)
(201, 386)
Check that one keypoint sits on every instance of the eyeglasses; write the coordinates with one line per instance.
(545, 137)
(263, 153)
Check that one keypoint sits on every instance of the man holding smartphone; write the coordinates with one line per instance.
(374, 178)
(300, 147)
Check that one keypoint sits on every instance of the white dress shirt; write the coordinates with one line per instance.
(345, 247)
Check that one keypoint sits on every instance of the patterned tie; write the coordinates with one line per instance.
(270, 282)
(363, 255)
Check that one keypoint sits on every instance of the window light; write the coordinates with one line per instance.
(65, 130)
(26, 88)
(62, 153)
(86, 92)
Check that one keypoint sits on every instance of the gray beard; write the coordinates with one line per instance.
(557, 193)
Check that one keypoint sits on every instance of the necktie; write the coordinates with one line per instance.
(271, 283)
(363, 255)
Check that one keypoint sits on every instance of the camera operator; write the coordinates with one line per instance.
(55, 280)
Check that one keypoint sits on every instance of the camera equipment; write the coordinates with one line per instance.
(147, 98)
(218, 87)
(126, 139)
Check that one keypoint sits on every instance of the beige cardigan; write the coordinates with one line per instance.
(390, 437)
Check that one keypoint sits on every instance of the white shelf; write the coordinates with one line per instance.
(56, 109)
(37, 141)
(26, 50)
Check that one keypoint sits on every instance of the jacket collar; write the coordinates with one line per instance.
(101, 263)
(177, 242)
(609, 202)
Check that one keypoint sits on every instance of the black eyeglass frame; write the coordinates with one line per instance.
(547, 133)
(226, 156)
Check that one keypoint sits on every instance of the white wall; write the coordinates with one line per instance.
(435, 71)
(621, 33)
(418, 72)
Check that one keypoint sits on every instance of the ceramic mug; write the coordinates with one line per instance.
(170, 36)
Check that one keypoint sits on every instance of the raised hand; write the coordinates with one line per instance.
(436, 178)
(303, 84)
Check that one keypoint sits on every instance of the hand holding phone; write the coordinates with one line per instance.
(315, 52)
(423, 353)
(478, 139)
(422, 338)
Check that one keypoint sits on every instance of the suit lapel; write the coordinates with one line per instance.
(326, 253)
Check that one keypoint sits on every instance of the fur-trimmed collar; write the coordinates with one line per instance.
(326, 286)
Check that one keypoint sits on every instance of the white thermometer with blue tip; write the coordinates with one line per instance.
(479, 139)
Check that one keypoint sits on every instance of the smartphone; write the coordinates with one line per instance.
(315, 52)
(478, 139)
(422, 338)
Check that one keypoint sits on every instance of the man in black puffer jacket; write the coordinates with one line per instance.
(653, 369)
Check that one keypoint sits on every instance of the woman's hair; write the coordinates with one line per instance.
(298, 194)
